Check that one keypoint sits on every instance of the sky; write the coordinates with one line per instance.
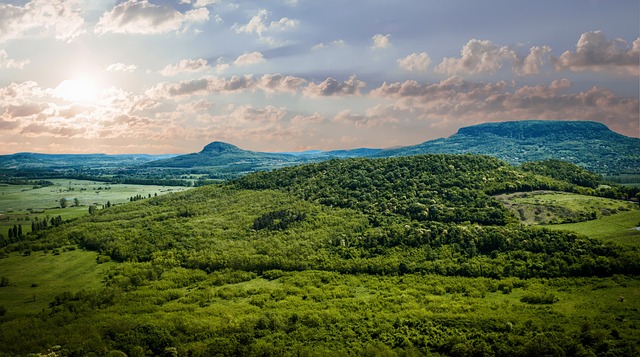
(160, 77)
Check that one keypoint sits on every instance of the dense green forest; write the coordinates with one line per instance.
(401, 256)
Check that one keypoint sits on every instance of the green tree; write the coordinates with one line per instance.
(63, 203)
(76, 202)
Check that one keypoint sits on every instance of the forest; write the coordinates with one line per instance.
(405, 256)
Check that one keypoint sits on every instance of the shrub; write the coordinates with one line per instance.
(539, 298)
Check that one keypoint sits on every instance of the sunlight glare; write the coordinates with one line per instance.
(79, 90)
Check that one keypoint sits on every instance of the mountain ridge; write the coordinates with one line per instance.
(588, 144)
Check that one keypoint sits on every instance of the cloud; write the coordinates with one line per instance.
(60, 17)
(415, 62)
(202, 3)
(322, 45)
(381, 41)
(369, 119)
(594, 53)
(278, 83)
(477, 57)
(455, 102)
(121, 67)
(186, 66)
(331, 87)
(533, 62)
(315, 118)
(204, 86)
(248, 59)
(247, 113)
(8, 63)
(142, 17)
(195, 106)
(39, 129)
(268, 83)
(260, 25)
(16, 92)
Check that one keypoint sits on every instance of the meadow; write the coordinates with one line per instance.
(350, 257)
(22, 204)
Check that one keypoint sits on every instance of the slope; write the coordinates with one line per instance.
(396, 256)
(587, 144)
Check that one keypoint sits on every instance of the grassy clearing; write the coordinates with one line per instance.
(546, 207)
(21, 204)
(36, 279)
(618, 228)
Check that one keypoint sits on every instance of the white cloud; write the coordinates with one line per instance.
(260, 25)
(186, 66)
(8, 63)
(331, 87)
(455, 102)
(336, 43)
(248, 59)
(381, 41)
(142, 17)
(121, 67)
(60, 17)
(597, 54)
(477, 57)
(415, 62)
(533, 62)
(202, 3)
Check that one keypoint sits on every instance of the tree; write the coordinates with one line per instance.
(63, 203)
(76, 202)
(92, 209)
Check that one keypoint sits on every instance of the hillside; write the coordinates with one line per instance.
(35, 161)
(394, 256)
(589, 145)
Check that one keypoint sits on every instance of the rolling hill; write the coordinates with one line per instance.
(406, 256)
(587, 144)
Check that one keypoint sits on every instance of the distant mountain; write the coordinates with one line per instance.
(587, 144)
(590, 145)
(224, 157)
(35, 161)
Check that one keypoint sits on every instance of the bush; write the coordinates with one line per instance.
(539, 298)
(4, 281)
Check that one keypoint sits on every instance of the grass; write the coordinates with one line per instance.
(615, 219)
(546, 207)
(21, 204)
(35, 280)
(617, 228)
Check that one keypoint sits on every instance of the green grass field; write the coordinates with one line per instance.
(546, 207)
(615, 219)
(617, 228)
(21, 204)
(35, 280)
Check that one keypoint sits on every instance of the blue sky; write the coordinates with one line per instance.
(157, 77)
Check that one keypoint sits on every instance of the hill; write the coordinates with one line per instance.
(392, 256)
(587, 144)
(36, 161)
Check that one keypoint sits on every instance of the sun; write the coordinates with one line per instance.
(78, 90)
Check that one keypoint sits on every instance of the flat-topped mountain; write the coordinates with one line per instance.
(587, 144)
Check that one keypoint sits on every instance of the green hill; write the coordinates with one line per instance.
(394, 256)
(587, 144)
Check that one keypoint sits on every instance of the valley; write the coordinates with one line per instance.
(414, 255)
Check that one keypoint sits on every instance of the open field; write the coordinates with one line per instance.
(35, 280)
(617, 228)
(21, 204)
(547, 207)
